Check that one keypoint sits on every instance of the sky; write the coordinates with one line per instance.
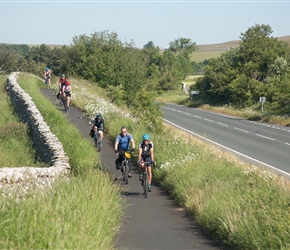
(204, 22)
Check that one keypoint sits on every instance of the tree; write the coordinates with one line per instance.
(149, 45)
(256, 68)
(184, 46)
(9, 59)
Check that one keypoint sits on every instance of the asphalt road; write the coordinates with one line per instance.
(262, 144)
(155, 222)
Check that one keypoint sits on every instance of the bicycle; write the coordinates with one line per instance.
(125, 166)
(64, 102)
(98, 136)
(144, 181)
(47, 82)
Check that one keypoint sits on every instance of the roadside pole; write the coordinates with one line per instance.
(262, 100)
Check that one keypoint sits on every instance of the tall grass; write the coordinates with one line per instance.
(82, 213)
(243, 206)
(14, 136)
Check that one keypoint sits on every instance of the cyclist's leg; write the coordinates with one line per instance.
(141, 168)
(118, 162)
(129, 165)
(149, 172)
(68, 100)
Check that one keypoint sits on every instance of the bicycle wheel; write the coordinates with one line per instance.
(145, 184)
(126, 172)
(64, 104)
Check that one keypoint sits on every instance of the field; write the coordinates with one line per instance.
(208, 51)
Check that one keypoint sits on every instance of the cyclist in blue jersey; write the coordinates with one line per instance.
(122, 144)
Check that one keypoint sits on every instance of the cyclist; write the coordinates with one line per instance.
(47, 76)
(122, 144)
(146, 154)
(61, 83)
(67, 92)
(98, 124)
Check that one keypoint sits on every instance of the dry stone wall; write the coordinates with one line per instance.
(48, 147)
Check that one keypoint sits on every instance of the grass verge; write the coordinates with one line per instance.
(14, 136)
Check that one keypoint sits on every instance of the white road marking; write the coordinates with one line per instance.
(241, 130)
(269, 138)
(226, 125)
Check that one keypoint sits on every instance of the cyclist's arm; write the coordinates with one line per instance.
(139, 154)
(133, 143)
(116, 146)
(103, 125)
(152, 154)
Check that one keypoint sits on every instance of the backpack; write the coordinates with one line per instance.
(146, 149)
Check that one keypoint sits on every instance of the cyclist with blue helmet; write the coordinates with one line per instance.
(146, 154)
(47, 76)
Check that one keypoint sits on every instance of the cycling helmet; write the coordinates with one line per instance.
(47, 68)
(145, 137)
(98, 115)
(63, 76)
(67, 83)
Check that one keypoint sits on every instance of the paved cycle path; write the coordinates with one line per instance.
(155, 222)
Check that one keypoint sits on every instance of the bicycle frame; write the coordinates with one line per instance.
(125, 169)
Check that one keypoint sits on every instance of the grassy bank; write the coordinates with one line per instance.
(14, 136)
(243, 206)
(84, 213)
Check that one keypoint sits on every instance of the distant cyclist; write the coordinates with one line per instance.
(99, 122)
(146, 154)
(98, 125)
(122, 144)
(47, 76)
(61, 83)
(67, 92)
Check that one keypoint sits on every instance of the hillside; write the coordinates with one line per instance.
(215, 50)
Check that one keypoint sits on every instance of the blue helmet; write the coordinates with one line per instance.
(98, 115)
(47, 68)
(145, 137)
